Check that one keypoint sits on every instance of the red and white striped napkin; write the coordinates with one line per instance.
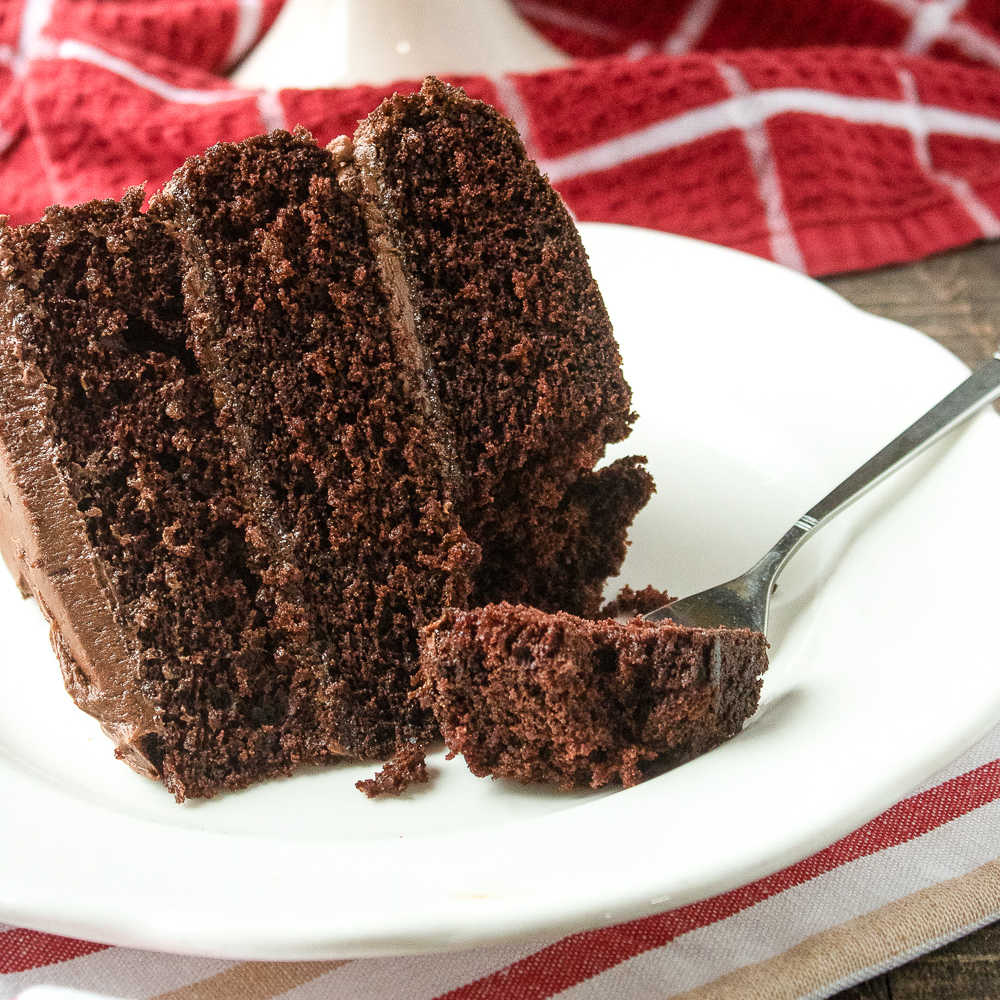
(870, 136)
(921, 874)
(826, 134)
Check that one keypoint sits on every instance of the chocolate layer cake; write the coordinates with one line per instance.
(554, 698)
(253, 439)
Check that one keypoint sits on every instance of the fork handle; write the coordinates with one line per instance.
(980, 388)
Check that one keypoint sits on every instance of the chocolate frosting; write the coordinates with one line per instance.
(355, 175)
(44, 541)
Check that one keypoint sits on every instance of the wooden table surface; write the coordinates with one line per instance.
(955, 298)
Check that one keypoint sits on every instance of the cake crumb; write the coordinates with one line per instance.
(407, 767)
(630, 603)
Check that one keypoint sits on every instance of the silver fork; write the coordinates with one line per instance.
(743, 602)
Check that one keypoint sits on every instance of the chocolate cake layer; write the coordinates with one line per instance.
(118, 499)
(553, 698)
(344, 484)
(511, 320)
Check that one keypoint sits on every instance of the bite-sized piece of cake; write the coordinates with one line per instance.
(524, 360)
(345, 488)
(118, 508)
(629, 603)
(408, 767)
(554, 698)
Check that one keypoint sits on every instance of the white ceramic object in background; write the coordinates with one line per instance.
(326, 43)
(758, 389)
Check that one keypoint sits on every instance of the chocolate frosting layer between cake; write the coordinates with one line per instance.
(418, 370)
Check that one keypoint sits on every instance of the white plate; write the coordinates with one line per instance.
(758, 390)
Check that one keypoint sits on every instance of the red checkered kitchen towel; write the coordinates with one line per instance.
(829, 135)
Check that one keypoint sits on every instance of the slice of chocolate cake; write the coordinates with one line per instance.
(524, 359)
(554, 698)
(254, 439)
